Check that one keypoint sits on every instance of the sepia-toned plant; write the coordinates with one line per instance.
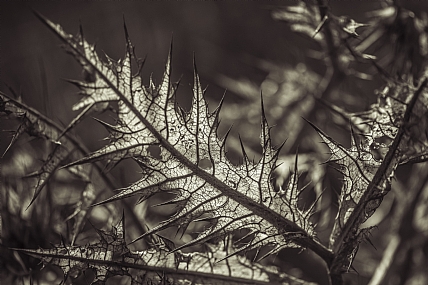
(235, 216)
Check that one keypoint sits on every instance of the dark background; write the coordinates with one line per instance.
(223, 36)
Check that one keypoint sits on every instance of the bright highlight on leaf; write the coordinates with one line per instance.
(227, 196)
(110, 256)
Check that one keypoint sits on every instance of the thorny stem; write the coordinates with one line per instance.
(341, 247)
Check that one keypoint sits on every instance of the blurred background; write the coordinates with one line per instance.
(227, 37)
(238, 46)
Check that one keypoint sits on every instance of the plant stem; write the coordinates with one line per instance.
(344, 244)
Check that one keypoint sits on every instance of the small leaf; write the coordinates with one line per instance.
(349, 25)
(358, 168)
(82, 210)
(51, 164)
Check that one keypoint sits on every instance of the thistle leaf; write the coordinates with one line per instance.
(111, 256)
(32, 121)
(367, 180)
(234, 197)
(82, 210)
(358, 168)
(35, 124)
(73, 260)
(51, 164)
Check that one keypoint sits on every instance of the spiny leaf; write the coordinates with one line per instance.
(110, 256)
(382, 122)
(32, 121)
(358, 168)
(359, 164)
(54, 160)
(73, 260)
(15, 136)
(64, 147)
(35, 124)
(82, 210)
(234, 196)
(380, 127)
